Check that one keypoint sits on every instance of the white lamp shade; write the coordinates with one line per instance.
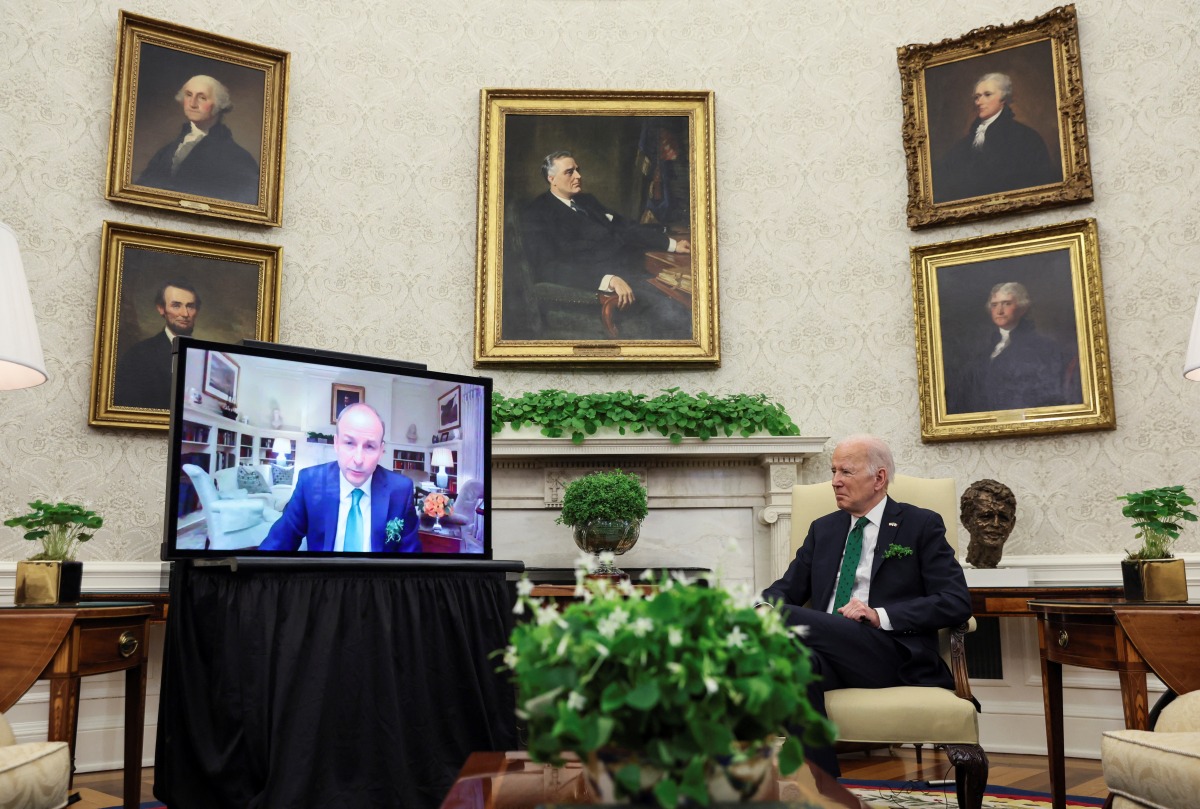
(1191, 363)
(281, 447)
(22, 364)
(441, 459)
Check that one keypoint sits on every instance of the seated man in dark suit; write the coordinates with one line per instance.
(571, 238)
(335, 508)
(879, 580)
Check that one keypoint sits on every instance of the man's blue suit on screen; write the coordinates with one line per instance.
(313, 512)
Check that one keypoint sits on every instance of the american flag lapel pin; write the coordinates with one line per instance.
(893, 525)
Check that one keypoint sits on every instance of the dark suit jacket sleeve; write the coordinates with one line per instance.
(290, 529)
(400, 506)
(926, 591)
(569, 248)
(795, 586)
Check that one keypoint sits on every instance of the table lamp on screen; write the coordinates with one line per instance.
(441, 459)
(281, 447)
(22, 364)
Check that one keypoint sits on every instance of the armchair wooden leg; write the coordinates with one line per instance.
(970, 773)
(608, 306)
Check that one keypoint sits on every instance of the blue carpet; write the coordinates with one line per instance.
(920, 795)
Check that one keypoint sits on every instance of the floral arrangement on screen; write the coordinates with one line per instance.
(679, 677)
(437, 505)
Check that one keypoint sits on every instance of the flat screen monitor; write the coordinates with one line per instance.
(279, 453)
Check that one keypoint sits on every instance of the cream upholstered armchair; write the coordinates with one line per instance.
(33, 775)
(1160, 768)
(909, 714)
(1156, 769)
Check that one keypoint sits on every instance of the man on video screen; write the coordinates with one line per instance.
(335, 508)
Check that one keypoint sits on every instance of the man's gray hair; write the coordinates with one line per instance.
(879, 454)
(220, 93)
(362, 406)
(1018, 291)
(548, 167)
(1002, 80)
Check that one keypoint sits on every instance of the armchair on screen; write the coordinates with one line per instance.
(232, 524)
(464, 517)
(545, 310)
(909, 714)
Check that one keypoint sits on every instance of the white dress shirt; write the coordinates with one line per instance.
(862, 574)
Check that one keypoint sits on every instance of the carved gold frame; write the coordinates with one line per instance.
(1060, 28)
(978, 263)
(494, 348)
(135, 32)
(258, 264)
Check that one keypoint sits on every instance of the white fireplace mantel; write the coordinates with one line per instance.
(700, 492)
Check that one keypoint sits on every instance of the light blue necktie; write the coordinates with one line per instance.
(354, 530)
(850, 564)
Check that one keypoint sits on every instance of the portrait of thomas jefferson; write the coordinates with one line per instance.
(1009, 344)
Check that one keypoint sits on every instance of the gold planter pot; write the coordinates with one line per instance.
(1155, 580)
(37, 582)
(44, 582)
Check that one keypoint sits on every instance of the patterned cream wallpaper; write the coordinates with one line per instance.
(815, 290)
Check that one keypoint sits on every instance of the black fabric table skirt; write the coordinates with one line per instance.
(328, 688)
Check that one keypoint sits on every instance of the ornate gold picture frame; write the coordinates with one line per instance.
(1011, 336)
(994, 121)
(152, 281)
(627, 275)
(198, 122)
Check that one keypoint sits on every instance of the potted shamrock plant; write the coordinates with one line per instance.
(1152, 573)
(679, 693)
(52, 575)
(606, 510)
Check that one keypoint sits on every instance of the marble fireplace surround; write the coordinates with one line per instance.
(704, 497)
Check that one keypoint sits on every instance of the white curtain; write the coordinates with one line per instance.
(474, 433)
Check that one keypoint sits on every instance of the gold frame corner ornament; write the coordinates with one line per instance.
(976, 264)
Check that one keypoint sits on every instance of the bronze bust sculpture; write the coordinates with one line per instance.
(988, 510)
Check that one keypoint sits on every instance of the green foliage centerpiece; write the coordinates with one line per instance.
(606, 510)
(682, 691)
(1151, 572)
(673, 413)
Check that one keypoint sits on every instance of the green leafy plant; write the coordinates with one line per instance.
(677, 677)
(315, 436)
(614, 495)
(673, 414)
(1157, 514)
(60, 527)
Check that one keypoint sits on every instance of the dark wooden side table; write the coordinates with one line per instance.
(1086, 632)
(64, 644)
